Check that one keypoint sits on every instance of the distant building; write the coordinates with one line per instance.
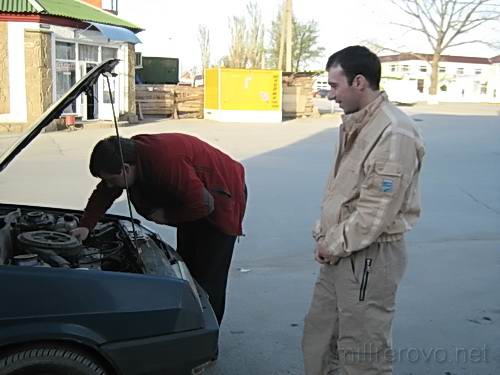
(460, 78)
(48, 45)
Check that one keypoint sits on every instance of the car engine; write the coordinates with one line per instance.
(42, 239)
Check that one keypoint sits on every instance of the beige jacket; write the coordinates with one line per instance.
(372, 192)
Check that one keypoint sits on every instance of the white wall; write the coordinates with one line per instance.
(17, 81)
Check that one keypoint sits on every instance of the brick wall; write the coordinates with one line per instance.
(37, 49)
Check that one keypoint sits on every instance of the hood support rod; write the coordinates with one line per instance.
(121, 156)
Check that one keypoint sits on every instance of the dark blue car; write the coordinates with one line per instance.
(121, 302)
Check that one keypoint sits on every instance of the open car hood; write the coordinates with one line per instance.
(56, 110)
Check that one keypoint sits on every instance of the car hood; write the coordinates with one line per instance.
(56, 110)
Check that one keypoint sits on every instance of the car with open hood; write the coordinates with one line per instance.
(121, 302)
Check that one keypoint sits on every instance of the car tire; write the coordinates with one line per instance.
(49, 360)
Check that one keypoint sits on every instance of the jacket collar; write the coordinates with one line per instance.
(354, 122)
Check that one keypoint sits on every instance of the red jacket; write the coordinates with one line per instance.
(172, 172)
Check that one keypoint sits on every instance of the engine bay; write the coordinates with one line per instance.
(41, 238)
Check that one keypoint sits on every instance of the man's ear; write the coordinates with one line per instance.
(360, 82)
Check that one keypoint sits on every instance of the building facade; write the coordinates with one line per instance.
(460, 78)
(46, 46)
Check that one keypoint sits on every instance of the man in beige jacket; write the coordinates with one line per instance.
(371, 199)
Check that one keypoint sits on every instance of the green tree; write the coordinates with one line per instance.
(305, 47)
(305, 44)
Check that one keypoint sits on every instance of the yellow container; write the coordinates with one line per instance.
(243, 95)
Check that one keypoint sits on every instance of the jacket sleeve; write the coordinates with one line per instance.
(195, 201)
(99, 202)
(389, 171)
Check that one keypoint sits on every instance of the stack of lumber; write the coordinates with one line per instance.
(169, 100)
(297, 95)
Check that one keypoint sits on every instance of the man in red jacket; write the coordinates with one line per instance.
(178, 180)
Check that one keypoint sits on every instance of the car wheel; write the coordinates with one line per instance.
(49, 360)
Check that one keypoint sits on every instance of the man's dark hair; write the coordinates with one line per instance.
(106, 155)
(356, 60)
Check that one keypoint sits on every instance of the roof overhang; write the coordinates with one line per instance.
(116, 33)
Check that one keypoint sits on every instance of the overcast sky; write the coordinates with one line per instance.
(171, 26)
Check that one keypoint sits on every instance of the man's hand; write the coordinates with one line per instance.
(80, 233)
(158, 216)
(322, 255)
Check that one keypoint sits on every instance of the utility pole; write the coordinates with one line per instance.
(288, 20)
(282, 34)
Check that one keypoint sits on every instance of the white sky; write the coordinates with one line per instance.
(172, 26)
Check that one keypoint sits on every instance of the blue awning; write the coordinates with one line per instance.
(116, 33)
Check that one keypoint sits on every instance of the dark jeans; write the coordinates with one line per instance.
(207, 253)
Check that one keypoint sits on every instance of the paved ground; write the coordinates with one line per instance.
(448, 319)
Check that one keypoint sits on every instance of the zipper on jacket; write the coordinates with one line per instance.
(364, 280)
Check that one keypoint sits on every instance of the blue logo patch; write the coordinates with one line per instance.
(387, 186)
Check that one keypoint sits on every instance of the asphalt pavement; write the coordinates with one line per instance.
(448, 310)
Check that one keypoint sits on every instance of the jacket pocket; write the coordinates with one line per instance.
(385, 179)
(364, 279)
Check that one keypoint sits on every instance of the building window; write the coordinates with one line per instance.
(108, 53)
(111, 5)
(477, 71)
(65, 51)
(65, 71)
(460, 71)
(394, 68)
(405, 68)
(88, 53)
(423, 68)
(484, 88)
(420, 85)
(442, 69)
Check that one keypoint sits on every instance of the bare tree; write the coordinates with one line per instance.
(255, 40)
(446, 24)
(247, 40)
(204, 42)
(237, 57)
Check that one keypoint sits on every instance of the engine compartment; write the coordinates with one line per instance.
(41, 238)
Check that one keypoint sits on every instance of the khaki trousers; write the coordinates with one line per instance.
(347, 330)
